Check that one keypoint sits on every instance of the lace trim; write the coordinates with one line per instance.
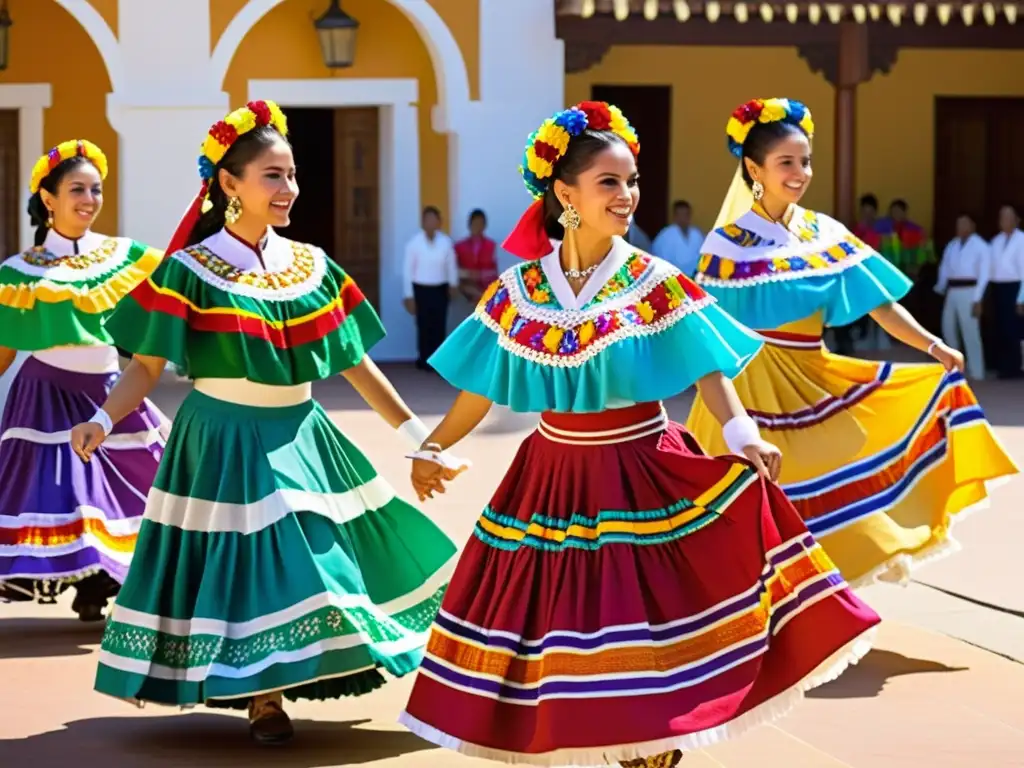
(305, 273)
(41, 263)
(657, 273)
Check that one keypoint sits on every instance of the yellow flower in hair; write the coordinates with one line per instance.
(807, 124)
(619, 123)
(737, 131)
(277, 118)
(773, 111)
(214, 150)
(242, 120)
(555, 135)
(541, 168)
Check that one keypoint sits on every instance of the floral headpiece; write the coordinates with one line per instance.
(765, 111)
(549, 143)
(221, 136)
(65, 151)
(545, 147)
(224, 133)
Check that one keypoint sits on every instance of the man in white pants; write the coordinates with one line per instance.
(963, 277)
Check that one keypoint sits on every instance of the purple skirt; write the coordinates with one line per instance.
(62, 520)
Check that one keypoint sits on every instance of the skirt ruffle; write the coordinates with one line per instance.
(626, 597)
(271, 557)
(61, 520)
(880, 459)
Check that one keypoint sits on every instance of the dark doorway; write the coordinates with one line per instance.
(337, 156)
(10, 184)
(979, 162)
(649, 109)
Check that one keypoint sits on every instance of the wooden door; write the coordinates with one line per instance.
(979, 162)
(357, 197)
(649, 109)
(10, 184)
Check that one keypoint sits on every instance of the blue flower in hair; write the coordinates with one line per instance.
(206, 168)
(573, 120)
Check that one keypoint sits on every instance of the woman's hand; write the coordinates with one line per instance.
(86, 438)
(766, 458)
(951, 359)
(427, 478)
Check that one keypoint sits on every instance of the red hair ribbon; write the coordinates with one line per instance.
(529, 240)
(188, 221)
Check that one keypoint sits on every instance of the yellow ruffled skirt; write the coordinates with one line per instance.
(879, 458)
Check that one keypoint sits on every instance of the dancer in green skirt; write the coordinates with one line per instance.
(272, 560)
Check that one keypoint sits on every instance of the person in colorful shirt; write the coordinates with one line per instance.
(475, 255)
(903, 242)
(624, 596)
(881, 460)
(272, 560)
(62, 524)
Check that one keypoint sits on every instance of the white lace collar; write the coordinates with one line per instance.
(59, 245)
(276, 251)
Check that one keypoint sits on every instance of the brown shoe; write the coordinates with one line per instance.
(663, 760)
(268, 723)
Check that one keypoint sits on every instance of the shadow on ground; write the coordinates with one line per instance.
(39, 638)
(867, 679)
(202, 741)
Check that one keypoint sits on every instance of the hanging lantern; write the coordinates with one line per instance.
(337, 31)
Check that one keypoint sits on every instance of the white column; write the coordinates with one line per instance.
(158, 172)
(521, 83)
(399, 221)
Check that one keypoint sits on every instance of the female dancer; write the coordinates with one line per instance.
(625, 596)
(880, 459)
(272, 558)
(60, 522)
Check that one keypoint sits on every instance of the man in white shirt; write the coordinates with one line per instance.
(963, 277)
(679, 243)
(430, 280)
(1007, 272)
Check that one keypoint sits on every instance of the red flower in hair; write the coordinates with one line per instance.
(224, 134)
(598, 116)
(261, 110)
(545, 151)
(749, 112)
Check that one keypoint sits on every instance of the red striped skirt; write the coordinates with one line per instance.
(624, 594)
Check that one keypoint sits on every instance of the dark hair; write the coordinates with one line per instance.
(965, 215)
(246, 148)
(899, 203)
(430, 209)
(762, 139)
(578, 157)
(477, 213)
(869, 199)
(37, 212)
(680, 204)
(1011, 206)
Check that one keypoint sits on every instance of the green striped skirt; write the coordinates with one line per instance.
(271, 557)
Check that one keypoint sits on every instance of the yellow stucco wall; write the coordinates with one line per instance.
(707, 84)
(896, 118)
(79, 92)
(388, 46)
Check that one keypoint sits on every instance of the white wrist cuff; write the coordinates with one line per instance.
(102, 418)
(414, 432)
(739, 432)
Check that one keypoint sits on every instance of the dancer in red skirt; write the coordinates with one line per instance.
(624, 597)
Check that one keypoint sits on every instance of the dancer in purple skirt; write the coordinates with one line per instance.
(63, 522)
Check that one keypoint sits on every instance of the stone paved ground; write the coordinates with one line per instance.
(943, 689)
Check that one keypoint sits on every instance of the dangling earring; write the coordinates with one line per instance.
(570, 218)
(234, 211)
(49, 219)
(757, 189)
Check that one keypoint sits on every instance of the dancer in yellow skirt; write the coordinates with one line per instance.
(881, 458)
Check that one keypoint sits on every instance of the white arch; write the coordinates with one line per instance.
(102, 35)
(449, 65)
